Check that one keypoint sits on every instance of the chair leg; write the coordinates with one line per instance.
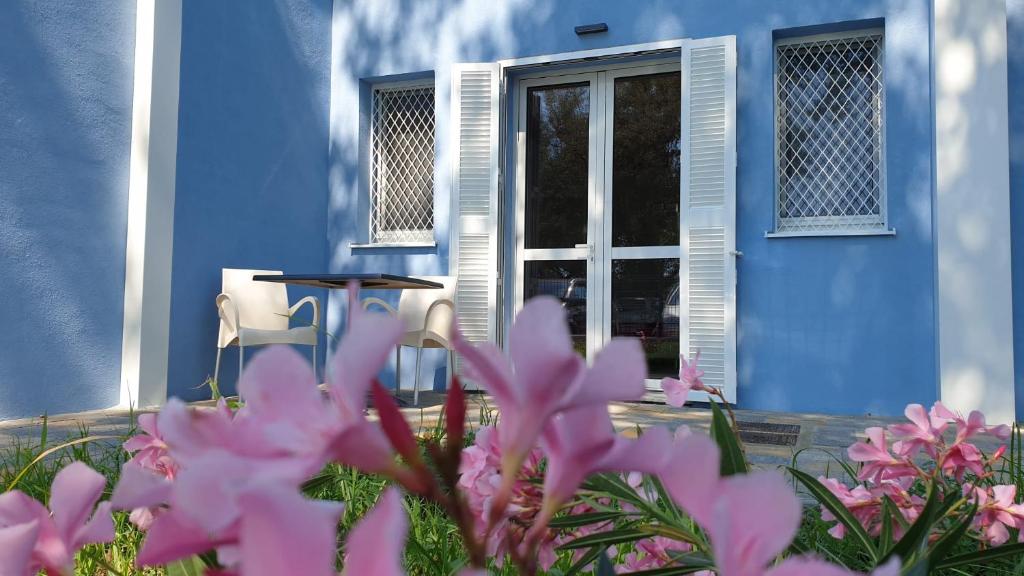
(451, 370)
(216, 368)
(398, 369)
(416, 389)
(241, 361)
(315, 381)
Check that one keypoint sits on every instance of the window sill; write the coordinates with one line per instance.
(367, 246)
(826, 233)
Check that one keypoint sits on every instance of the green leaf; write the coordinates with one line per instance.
(606, 538)
(615, 486)
(889, 512)
(193, 566)
(575, 520)
(981, 557)
(586, 560)
(733, 461)
(948, 541)
(916, 536)
(604, 566)
(829, 501)
(674, 532)
(671, 570)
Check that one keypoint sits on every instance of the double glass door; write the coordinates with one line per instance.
(598, 167)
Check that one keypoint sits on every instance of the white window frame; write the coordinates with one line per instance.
(375, 238)
(827, 225)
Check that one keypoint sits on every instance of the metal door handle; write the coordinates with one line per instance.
(590, 250)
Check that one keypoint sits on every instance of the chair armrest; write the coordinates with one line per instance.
(435, 304)
(312, 301)
(367, 302)
(228, 311)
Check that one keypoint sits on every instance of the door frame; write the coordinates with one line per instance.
(599, 253)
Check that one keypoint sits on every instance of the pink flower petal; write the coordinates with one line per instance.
(541, 350)
(283, 533)
(364, 348)
(375, 544)
(16, 544)
(172, 537)
(363, 446)
(691, 475)
(74, 492)
(675, 391)
(99, 528)
(139, 487)
(278, 384)
(618, 373)
(755, 517)
(487, 366)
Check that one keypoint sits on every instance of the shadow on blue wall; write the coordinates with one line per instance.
(65, 136)
(252, 164)
(842, 325)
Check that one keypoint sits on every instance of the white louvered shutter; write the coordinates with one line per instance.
(708, 214)
(474, 243)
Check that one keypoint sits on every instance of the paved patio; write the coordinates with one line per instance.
(809, 437)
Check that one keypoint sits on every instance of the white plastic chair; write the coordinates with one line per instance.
(428, 315)
(257, 313)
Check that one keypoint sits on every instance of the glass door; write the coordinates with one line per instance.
(640, 253)
(598, 167)
(555, 233)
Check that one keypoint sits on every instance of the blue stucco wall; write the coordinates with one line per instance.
(65, 133)
(252, 163)
(1015, 76)
(841, 325)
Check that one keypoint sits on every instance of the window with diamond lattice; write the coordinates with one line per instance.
(829, 146)
(402, 165)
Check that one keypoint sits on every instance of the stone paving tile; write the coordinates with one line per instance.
(819, 434)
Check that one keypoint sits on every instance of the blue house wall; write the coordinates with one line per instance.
(252, 164)
(1015, 76)
(272, 121)
(839, 325)
(66, 72)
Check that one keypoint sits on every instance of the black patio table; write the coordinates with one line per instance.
(367, 281)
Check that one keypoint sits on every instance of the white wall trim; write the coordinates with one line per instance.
(611, 51)
(154, 150)
(972, 207)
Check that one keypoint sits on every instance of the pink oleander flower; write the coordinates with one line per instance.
(675, 390)
(997, 511)
(652, 553)
(249, 510)
(865, 503)
(374, 545)
(543, 376)
(479, 482)
(749, 518)
(879, 463)
(31, 539)
(582, 441)
(755, 516)
(972, 426)
(149, 447)
(924, 431)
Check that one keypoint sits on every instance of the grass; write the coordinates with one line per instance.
(433, 547)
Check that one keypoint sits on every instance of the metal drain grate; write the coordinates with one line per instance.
(769, 433)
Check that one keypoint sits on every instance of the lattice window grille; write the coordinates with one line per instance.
(402, 164)
(829, 144)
